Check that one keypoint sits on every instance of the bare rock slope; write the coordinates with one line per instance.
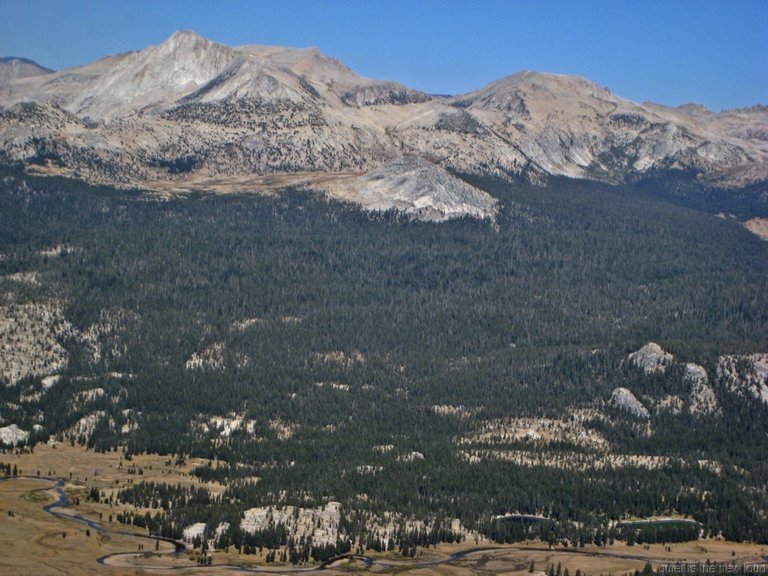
(418, 188)
(189, 111)
(624, 400)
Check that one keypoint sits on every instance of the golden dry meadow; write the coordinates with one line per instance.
(39, 542)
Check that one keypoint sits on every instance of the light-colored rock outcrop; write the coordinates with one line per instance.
(211, 358)
(84, 397)
(535, 431)
(624, 400)
(84, 427)
(13, 435)
(321, 524)
(651, 358)
(703, 400)
(746, 375)
(194, 531)
(758, 226)
(29, 340)
(417, 188)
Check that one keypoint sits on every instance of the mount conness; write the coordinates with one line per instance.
(193, 114)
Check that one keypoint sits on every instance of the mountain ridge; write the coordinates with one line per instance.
(190, 110)
(12, 67)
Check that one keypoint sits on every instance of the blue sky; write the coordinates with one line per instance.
(714, 52)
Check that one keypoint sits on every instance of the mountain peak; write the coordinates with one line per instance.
(551, 82)
(186, 36)
(155, 76)
(186, 41)
(12, 68)
(12, 59)
(184, 33)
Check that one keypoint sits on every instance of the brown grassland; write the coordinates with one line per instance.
(38, 543)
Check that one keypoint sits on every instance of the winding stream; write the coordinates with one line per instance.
(55, 509)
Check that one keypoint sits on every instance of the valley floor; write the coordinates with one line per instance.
(40, 539)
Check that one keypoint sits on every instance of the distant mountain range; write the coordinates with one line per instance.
(193, 114)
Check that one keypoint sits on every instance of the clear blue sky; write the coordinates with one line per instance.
(714, 52)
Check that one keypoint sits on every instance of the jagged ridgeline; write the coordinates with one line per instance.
(594, 355)
(192, 114)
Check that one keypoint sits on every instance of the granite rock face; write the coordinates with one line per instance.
(417, 188)
(624, 399)
(703, 400)
(746, 376)
(651, 358)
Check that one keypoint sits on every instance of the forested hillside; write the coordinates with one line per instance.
(428, 370)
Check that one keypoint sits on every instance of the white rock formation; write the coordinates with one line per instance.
(50, 381)
(538, 431)
(624, 399)
(196, 530)
(85, 426)
(462, 412)
(29, 339)
(84, 397)
(411, 456)
(321, 524)
(651, 358)
(212, 358)
(418, 188)
(13, 435)
(746, 376)
(221, 529)
(57, 250)
(227, 425)
(703, 400)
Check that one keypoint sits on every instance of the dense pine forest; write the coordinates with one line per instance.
(361, 355)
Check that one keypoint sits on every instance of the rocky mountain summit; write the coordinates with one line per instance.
(189, 112)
